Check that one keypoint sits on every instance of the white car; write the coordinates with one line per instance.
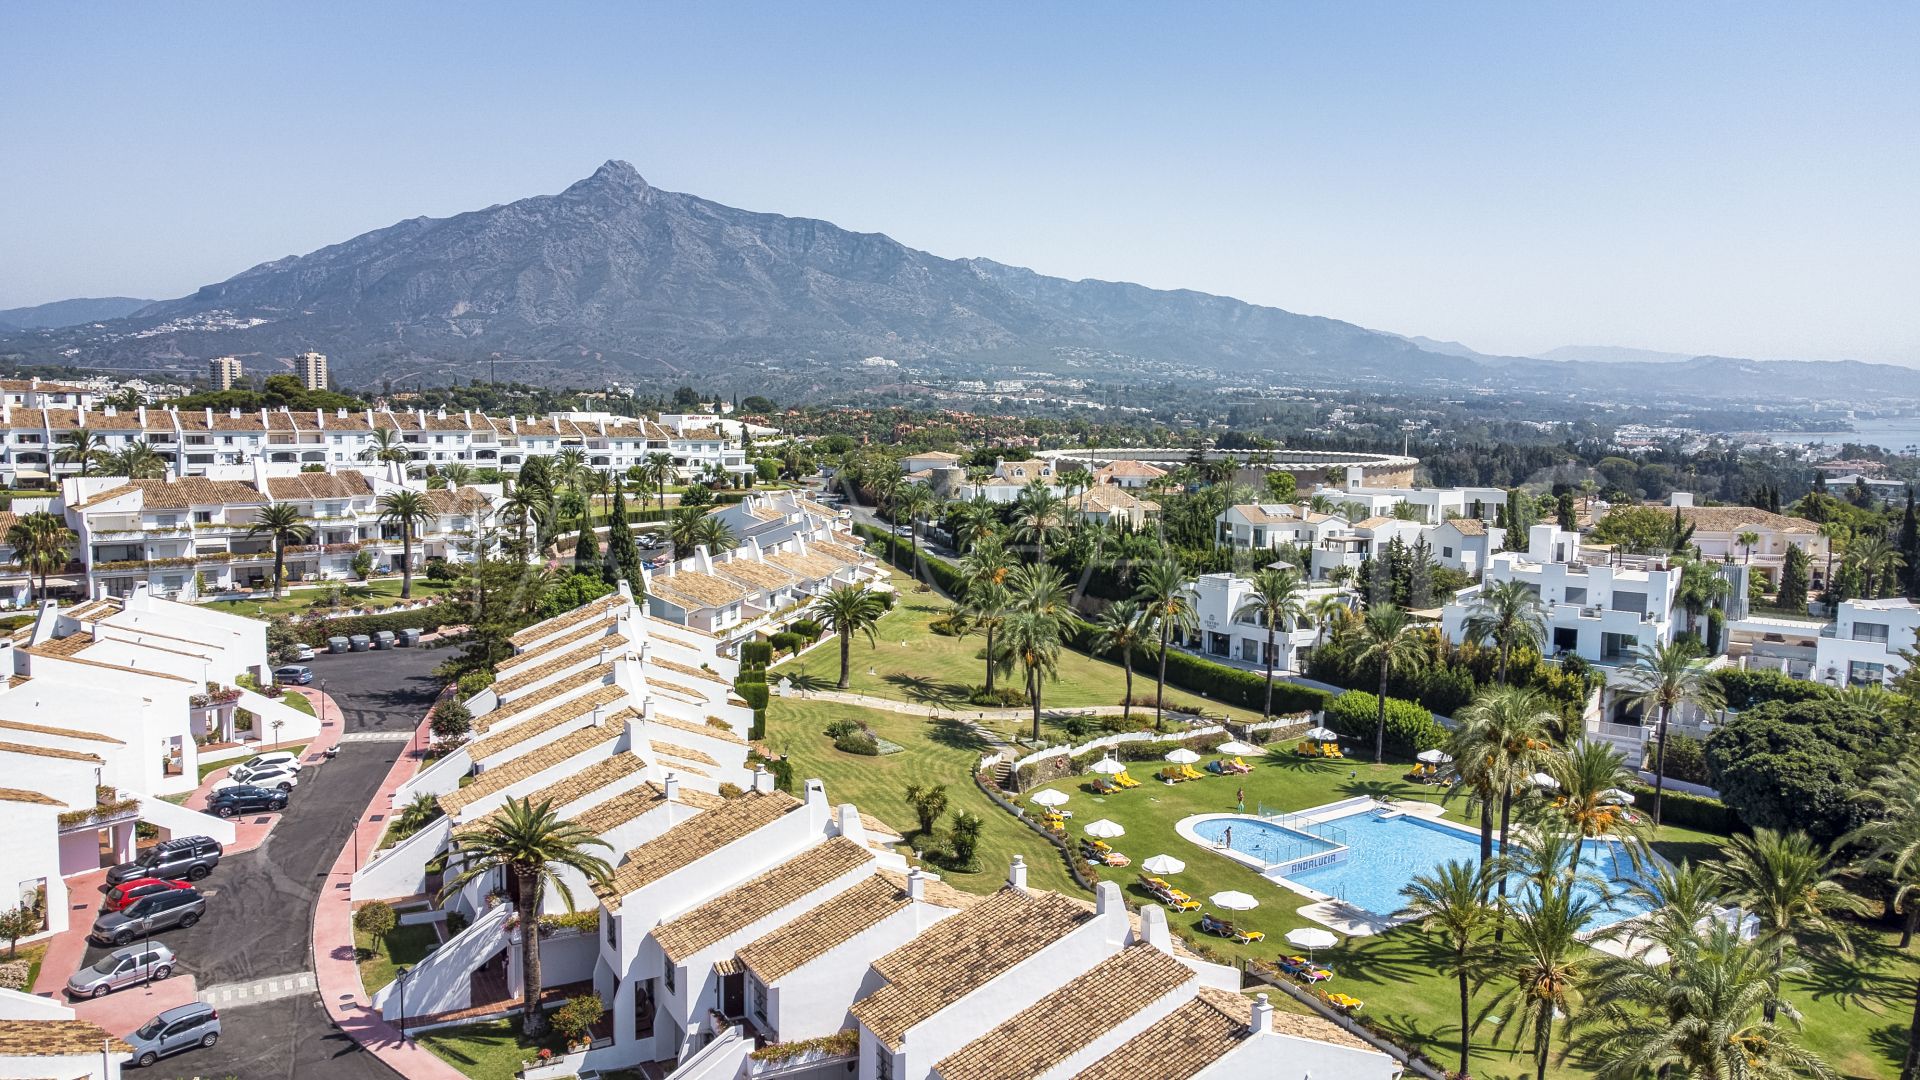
(281, 775)
(271, 757)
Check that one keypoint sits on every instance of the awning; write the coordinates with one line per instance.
(729, 966)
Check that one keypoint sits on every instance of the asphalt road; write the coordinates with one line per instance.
(260, 904)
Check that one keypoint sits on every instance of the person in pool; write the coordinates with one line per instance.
(1227, 840)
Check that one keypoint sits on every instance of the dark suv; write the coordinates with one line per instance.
(190, 857)
(161, 911)
(246, 799)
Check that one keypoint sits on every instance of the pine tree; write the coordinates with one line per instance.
(1420, 574)
(623, 555)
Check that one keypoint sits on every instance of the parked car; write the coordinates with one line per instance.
(246, 799)
(119, 896)
(303, 652)
(293, 675)
(277, 774)
(182, 1028)
(149, 915)
(649, 540)
(271, 757)
(135, 964)
(190, 857)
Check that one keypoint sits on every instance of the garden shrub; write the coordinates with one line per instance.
(576, 1016)
(837, 728)
(1410, 728)
(1003, 697)
(755, 654)
(451, 720)
(1689, 811)
(1686, 759)
(1743, 689)
(807, 628)
(787, 641)
(375, 919)
(439, 569)
(475, 681)
(755, 694)
(1802, 764)
(859, 742)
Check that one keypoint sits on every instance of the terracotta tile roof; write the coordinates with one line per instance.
(688, 694)
(834, 923)
(725, 734)
(573, 788)
(691, 672)
(1258, 514)
(878, 828)
(467, 500)
(1069, 1019)
(1468, 526)
(71, 645)
(1735, 519)
(1183, 1043)
(557, 662)
(17, 795)
(624, 807)
(833, 550)
(1130, 468)
(691, 590)
(48, 751)
(1105, 498)
(959, 954)
(691, 840)
(535, 698)
(183, 492)
(755, 574)
(56, 1038)
(578, 634)
(808, 567)
(937, 892)
(509, 773)
(684, 753)
(65, 733)
(569, 710)
(344, 485)
(748, 903)
(1374, 522)
(567, 620)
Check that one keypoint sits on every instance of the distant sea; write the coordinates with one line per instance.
(1897, 434)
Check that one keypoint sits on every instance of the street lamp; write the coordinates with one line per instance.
(402, 991)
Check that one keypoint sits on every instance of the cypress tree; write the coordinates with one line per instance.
(623, 555)
(1910, 545)
(586, 554)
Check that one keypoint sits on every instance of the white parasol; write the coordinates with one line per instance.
(1105, 829)
(1049, 797)
(1108, 766)
(1434, 757)
(1183, 756)
(1320, 734)
(1234, 901)
(1311, 938)
(1163, 864)
(1236, 748)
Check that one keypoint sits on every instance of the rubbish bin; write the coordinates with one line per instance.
(361, 643)
(336, 644)
(383, 639)
(409, 637)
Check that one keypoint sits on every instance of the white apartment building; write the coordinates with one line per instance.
(1465, 544)
(312, 367)
(1862, 646)
(1430, 506)
(1598, 607)
(37, 393)
(1223, 627)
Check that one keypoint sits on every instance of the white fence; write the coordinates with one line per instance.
(1121, 739)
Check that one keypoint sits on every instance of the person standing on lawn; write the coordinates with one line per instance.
(1240, 800)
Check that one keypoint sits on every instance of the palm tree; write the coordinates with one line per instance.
(137, 461)
(41, 544)
(417, 814)
(1325, 612)
(1273, 602)
(1452, 900)
(528, 505)
(1476, 755)
(529, 844)
(1038, 516)
(1677, 899)
(1121, 628)
(1031, 640)
(1700, 588)
(1162, 594)
(916, 501)
(407, 510)
(1785, 881)
(1550, 962)
(1696, 1016)
(1891, 841)
(657, 472)
(985, 611)
(1508, 613)
(457, 474)
(847, 610)
(1513, 729)
(986, 561)
(1749, 540)
(569, 467)
(387, 447)
(1388, 639)
(81, 446)
(1039, 587)
(281, 522)
(1879, 562)
(1663, 677)
(973, 522)
(715, 534)
(1593, 779)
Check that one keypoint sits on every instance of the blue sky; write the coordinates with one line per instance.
(1732, 178)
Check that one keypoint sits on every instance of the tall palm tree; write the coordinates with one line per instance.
(1038, 516)
(973, 521)
(715, 534)
(1677, 900)
(1451, 900)
(280, 522)
(1121, 628)
(41, 544)
(1039, 587)
(569, 467)
(137, 461)
(848, 610)
(528, 506)
(386, 447)
(985, 608)
(1664, 676)
(80, 446)
(1700, 589)
(1703, 1014)
(1326, 611)
(986, 561)
(1748, 540)
(1836, 533)
(1508, 613)
(1388, 639)
(657, 472)
(916, 502)
(1163, 596)
(1786, 882)
(1477, 768)
(407, 511)
(1549, 963)
(1891, 841)
(1273, 602)
(529, 844)
(1879, 562)
(1514, 731)
(1031, 640)
(1591, 799)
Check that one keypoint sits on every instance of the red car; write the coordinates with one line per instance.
(119, 896)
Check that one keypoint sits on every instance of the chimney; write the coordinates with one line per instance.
(762, 780)
(850, 825)
(1017, 874)
(1107, 899)
(672, 788)
(1153, 927)
(702, 560)
(816, 798)
(141, 411)
(1262, 1022)
(916, 885)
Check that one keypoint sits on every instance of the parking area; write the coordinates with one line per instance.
(251, 954)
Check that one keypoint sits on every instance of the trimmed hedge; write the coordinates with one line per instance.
(1689, 811)
(1744, 688)
(315, 632)
(1410, 727)
(943, 576)
(1198, 675)
(755, 654)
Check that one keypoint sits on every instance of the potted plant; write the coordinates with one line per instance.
(575, 1018)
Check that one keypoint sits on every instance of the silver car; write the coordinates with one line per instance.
(185, 1027)
(122, 967)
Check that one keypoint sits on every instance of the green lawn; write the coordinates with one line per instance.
(493, 1051)
(909, 662)
(402, 946)
(1856, 1010)
(297, 701)
(380, 593)
(938, 751)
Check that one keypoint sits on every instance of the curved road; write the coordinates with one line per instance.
(260, 918)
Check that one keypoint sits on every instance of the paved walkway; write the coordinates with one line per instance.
(66, 950)
(335, 969)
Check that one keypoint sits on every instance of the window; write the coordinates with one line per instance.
(1577, 594)
(1446, 553)
(760, 999)
(613, 930)
(203, 517)
(669, 979)
(1870, 631)
(882, 1062)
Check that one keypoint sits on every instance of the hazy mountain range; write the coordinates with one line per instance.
(614, 276)
(69, 312)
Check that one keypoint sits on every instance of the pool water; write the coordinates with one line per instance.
(1263, 840)
(1386, 851)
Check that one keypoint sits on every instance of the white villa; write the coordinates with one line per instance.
(1222, 630)
(1717, 531)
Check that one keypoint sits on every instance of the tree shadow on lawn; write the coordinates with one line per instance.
(1889, 1041)
(1861, 978)
(806, 680)
(1698, 852)
(922, 690)
(955, 734)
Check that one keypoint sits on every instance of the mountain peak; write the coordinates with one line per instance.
(616, 176)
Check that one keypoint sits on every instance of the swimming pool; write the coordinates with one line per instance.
(1368, 855)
